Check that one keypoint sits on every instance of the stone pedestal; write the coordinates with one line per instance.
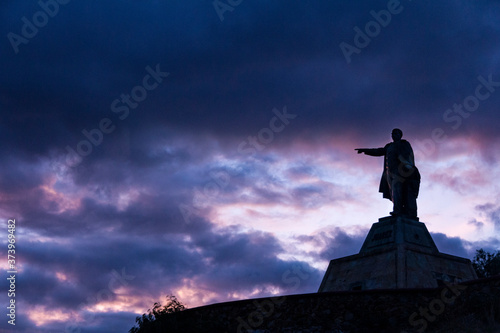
(397, 253)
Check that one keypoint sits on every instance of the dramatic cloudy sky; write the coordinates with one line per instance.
(234, 175)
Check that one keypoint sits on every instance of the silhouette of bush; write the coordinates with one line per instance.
(486, 264)
(157, 319)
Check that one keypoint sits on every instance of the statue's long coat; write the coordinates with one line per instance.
(392, 164)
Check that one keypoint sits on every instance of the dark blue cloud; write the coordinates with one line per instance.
(334, 243)
(450, 245)
(492, 212)
(225, 75)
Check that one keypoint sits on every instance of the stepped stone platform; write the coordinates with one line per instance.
(397, 253)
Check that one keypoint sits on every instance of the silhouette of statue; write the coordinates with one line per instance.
(400, 180)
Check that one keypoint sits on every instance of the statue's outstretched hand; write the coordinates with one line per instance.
(360, 150)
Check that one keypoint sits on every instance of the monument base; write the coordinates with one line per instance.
(397, 253)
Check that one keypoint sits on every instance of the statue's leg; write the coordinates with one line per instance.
(404, 197)
(411, 198)
(397, 195)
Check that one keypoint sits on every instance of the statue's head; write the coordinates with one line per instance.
(397, 134)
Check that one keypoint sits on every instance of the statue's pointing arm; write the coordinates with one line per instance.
(372, 151)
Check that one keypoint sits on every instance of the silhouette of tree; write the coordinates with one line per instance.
(148, 322)
(486, 264)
